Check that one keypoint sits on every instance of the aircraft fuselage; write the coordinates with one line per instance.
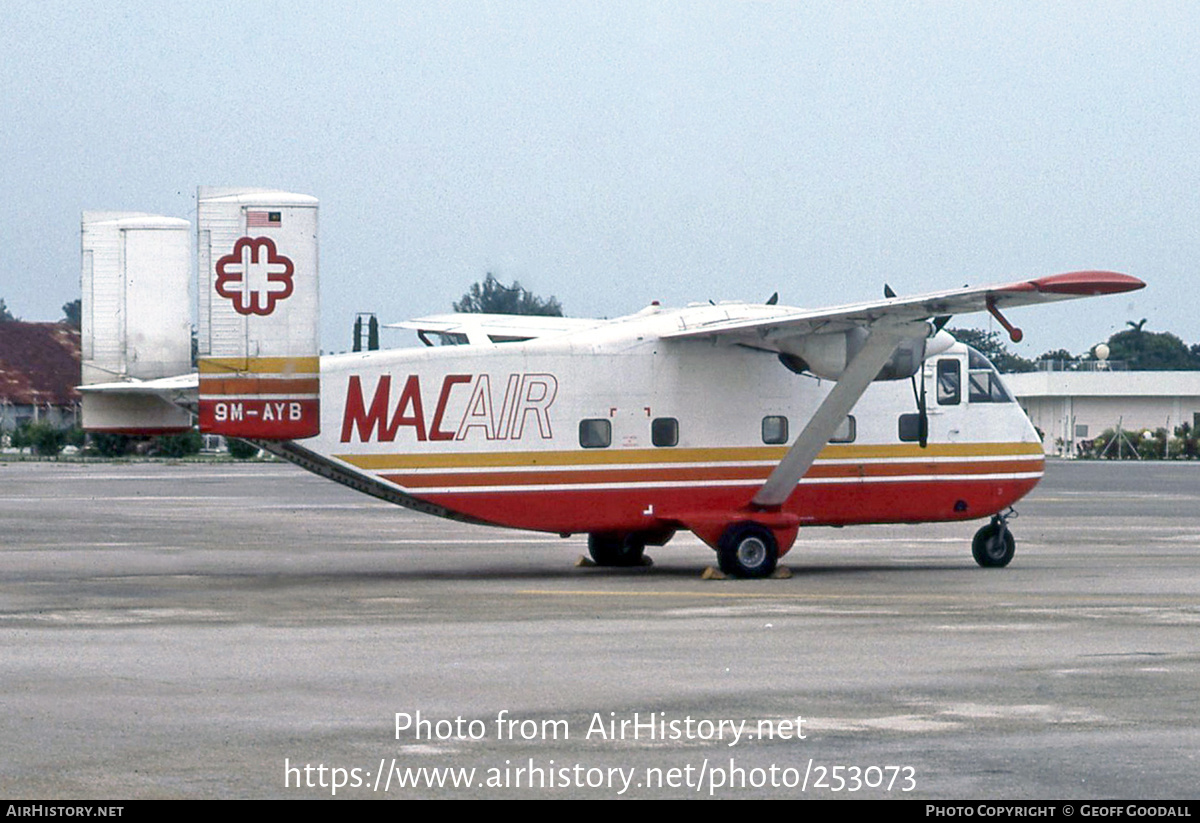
(632, 433)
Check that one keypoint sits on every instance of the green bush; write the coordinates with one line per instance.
(1185, 444)
(178, 445)
(45, 439)
(1137, 445)
(240, 449)
(110, 445)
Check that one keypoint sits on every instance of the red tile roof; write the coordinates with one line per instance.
(39, 363)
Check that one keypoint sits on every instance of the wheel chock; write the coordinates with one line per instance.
(713, 573)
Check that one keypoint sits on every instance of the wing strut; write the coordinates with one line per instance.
(863, 369)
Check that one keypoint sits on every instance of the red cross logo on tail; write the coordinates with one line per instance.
(254, 276)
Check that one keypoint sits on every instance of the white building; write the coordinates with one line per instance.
(1073, 406)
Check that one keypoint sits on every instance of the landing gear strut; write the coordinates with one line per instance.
(994, 546)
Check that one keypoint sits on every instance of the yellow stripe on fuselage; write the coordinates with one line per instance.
(260, 365)
(544, 459)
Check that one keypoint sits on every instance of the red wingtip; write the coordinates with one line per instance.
(1087, 282)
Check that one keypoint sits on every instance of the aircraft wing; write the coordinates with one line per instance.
(885, 325)
(900, 310)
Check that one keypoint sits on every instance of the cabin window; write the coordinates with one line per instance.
(949, 382)
(985, 385)
(910, 428)
(1081, 430)
(595, 433)
(847, 432)
(664, 431)
(774, 429)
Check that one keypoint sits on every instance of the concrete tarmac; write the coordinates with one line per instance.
(247, 631)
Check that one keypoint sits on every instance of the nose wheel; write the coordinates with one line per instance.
(994, 546)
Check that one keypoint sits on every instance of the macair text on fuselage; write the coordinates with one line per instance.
(521, 408)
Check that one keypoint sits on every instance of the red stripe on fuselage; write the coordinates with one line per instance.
(826, 504)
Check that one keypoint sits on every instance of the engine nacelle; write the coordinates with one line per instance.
(827, 355)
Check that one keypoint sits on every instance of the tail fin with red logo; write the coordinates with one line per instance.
(258, 326)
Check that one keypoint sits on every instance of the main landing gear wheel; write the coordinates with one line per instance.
(748, 550)
(994, 546)
(616, 549)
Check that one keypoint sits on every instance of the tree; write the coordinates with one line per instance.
(1059, 359)
(72, 312)
(991, 346)
(1057, 354)
(1148, 351)
(493, 297)
(5, 314)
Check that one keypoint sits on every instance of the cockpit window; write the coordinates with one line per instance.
(977, 360)
(985, 384)
(949, 382)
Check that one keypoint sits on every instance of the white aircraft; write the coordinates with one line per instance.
(738, 422)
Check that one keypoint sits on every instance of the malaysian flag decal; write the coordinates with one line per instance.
(263, 219)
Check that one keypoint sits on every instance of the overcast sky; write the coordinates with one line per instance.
(615, 153)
